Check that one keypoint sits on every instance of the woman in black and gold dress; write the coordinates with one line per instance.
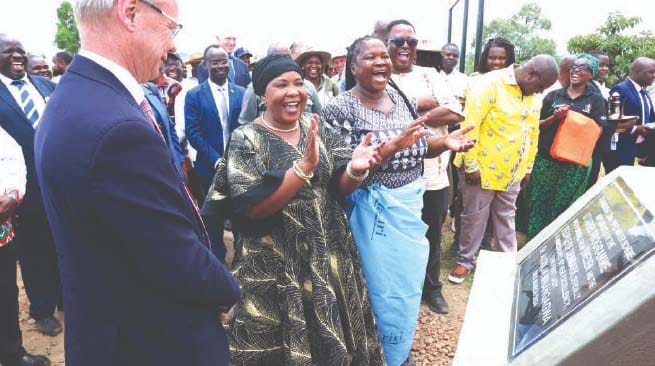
(304, 297)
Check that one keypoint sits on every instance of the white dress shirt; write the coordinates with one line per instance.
(39, 100)
(13, 174)
(180, 121)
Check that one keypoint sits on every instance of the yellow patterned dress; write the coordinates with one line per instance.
(304, 297)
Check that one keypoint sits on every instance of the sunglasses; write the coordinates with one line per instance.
(581, 67)
(399, 42)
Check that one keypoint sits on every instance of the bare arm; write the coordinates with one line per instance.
(456, 141)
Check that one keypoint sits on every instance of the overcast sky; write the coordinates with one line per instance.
(330, 25)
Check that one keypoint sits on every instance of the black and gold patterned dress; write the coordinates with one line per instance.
(304, 297)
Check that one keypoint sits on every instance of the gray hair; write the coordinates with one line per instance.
(87, 11)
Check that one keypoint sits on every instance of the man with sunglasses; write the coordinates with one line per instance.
(433, 98)
(141, 285)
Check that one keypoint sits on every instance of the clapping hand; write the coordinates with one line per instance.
(366, 156)
(457, 140)
(309, 160)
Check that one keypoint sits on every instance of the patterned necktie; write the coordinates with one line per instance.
(26, 102)
(646, 109)
(646, 102)
(145, 107)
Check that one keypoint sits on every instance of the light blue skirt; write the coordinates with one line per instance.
(390, 236)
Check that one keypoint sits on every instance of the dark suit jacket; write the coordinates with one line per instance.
(241, 73)
(204, 129)
(167, 126)
(630, 98)
(13, 120)
(140, 286)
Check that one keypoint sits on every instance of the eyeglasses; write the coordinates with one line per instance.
(400, 41)
(581, 67)
(178, 26)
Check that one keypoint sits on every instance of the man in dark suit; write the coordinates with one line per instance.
(211, 112)
(238, 73)
(635, 102)
(22, 101)
(166, 126)
(13, 175)
(141, 285)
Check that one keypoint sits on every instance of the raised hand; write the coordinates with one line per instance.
(457, 140)
(310, 158)
(412, 133)
(366, 156)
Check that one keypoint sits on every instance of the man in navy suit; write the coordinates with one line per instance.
(238, 73)
(141, 285)
(22, 102)
(17, 165)
(166, 125)
(211, 113)
(635, 102)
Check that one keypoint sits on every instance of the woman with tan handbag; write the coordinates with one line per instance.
(557, 181)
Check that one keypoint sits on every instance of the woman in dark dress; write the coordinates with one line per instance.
(304, 298)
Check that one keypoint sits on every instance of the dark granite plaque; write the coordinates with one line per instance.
(611, 235)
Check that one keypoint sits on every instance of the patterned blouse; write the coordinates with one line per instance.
(353, 121)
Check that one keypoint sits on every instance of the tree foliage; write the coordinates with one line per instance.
(67, 37)
(527, 30)
(618, 38)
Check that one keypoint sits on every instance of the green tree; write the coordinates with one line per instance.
(617, 37)
(527, 30)
(67, 37)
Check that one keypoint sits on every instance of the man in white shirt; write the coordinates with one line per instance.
(423, 84)
(456, 82)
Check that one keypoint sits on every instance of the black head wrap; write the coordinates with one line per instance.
(269, 68)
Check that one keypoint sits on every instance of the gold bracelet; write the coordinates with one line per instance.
(357, 178)
(300, 174)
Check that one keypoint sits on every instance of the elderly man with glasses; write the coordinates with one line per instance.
(141, 285)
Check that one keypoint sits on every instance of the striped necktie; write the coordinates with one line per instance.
(147, 110)
(26, 102)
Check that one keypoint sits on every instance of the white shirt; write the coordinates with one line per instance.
(13, 174)
(422, 81)
(121, 73)
(180, 121)
(456, 82)
(218, 95)
(604, 90)
(39, 100)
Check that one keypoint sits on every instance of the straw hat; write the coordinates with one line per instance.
(310, 51)
(194, 57)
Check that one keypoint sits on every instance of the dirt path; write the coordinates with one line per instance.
(434, 344)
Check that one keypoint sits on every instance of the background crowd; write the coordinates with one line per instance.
(121, 167)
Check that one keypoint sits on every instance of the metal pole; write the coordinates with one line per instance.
(451, 6)
(478, 35)
(450, 24)
(462, 54)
